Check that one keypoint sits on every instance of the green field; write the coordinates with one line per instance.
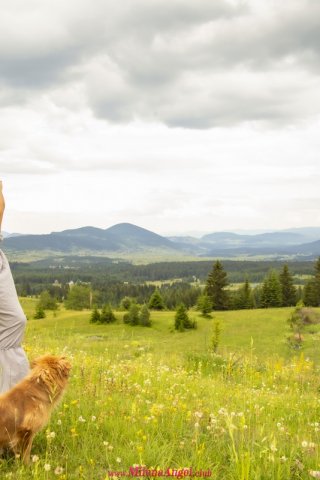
(155, 397)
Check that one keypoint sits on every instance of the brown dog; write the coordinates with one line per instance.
(26, 408)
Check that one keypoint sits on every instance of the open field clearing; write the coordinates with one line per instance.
(154, 397)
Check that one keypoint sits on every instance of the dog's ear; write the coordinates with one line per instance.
(64, 366)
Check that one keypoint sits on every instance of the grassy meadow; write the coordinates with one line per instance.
(161, 399)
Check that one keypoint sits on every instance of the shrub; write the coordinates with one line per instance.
(132, 316)
(39, 313)
(95, 316)
(182, 320)
(107, 315)
(144, 317)
(156, 301)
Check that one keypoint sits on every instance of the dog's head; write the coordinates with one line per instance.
(51, 370)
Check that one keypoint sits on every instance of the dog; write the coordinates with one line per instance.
(26, 408)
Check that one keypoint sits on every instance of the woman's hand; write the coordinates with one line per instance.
(2, 204)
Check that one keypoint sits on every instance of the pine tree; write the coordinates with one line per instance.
(215, 288)
(244, 297)
(288, 290)
(107, 315)
(271, 291)
(39, 313)
(144, 317)
(204, 304)
(215, 340)
(126, 303)
(156, 301)
(182, 320)
(95, 316)
(311, 293)
(317, 282)
(132, 316)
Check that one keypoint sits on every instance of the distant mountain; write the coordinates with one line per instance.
(128, 240)
(265, 239)
(119, 238)
(9, 235)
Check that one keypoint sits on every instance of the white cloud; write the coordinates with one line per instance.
(166, 113)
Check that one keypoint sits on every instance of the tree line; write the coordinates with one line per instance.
(276, 290)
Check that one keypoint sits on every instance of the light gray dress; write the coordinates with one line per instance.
(14, 364)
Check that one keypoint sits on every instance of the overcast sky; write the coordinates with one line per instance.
(181, 116)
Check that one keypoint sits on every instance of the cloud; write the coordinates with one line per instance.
(182, 63)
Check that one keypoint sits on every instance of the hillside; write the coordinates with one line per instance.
(132, 242)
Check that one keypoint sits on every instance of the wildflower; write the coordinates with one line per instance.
(81, 419)
(304, 444)
(58, 471)
(110, 447)
(59, 422)
(35, 458)
(118, 460)
(105, 444)
(93, 418)
(51, 434)
(273, 447)
(283, 459)
(47, 467)
(314, 473)
(299, 465)
(198, 414)
(196, 425)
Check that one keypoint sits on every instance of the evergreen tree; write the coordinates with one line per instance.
(126, 303)
(244, 296)
(215, 288)
(39, 313)
(288, 290)
(311, 293)
(271, 291)
(317, 283)
(107, 315)
(156, 301)
(47, 301)
(132, 316)
(95, 316)
(182, 320)
(204, 304)
(215, 340)
(144, 317)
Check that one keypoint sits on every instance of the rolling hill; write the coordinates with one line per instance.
(125, 239)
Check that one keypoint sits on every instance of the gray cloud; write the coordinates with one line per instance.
(184, 63)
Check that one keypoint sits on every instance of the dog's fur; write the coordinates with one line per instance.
(26, 408)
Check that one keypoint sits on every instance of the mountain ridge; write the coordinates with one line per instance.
(127, 238)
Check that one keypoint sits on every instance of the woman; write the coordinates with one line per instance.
(14, 364)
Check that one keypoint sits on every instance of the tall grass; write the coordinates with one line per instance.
(154, 397)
